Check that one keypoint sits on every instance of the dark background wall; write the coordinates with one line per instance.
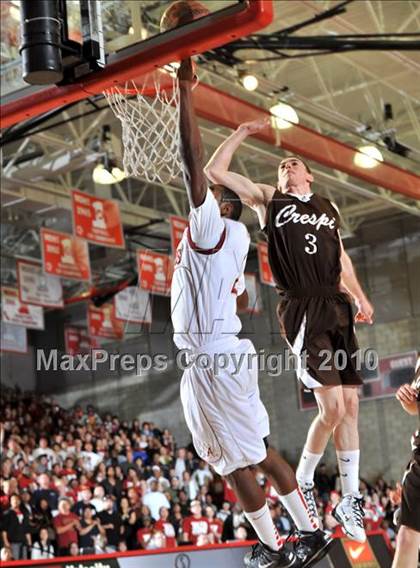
(387, 258)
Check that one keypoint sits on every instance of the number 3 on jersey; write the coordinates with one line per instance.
(312, 248)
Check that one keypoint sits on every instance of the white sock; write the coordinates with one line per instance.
(306, 468)
(264, 527)
(297, 508)
(348, 465)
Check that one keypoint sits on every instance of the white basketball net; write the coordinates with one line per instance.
(150, 131)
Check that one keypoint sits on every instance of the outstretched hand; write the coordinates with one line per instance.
(254, 126)
(406, 394)
(364, 311)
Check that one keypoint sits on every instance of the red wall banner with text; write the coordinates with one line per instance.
(38, 288)
(77, 341)
(155, 272)
(64, 255)
(16, 312)
(178, 226)
(103, 323)
(97, 220)
(266, 276)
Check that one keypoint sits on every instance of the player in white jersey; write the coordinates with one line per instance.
(222, 406)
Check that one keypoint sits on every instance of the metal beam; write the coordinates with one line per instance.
(51, 194)
(227, 110)
(408, 21)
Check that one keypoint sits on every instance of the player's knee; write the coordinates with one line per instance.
(333, 414)
(236, 476)
(352, 407)
(407, 538)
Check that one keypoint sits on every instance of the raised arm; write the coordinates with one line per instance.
(217, 169)
(192, 153)
(351, 283)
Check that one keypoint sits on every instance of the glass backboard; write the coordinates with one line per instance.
(130, 30)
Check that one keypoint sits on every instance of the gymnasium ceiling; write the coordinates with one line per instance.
(347, 90)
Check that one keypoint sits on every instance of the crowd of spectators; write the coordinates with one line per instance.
(74, 482)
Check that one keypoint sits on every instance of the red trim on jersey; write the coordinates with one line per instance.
(234, 290)
(206, 251)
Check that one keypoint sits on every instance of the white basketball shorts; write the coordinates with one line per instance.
(223, 410)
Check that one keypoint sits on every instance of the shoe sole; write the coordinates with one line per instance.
(347, 533)
(320, 554)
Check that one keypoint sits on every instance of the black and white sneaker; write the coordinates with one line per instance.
(349, 513)
(308, 493)
(261, 556)
(311, 547)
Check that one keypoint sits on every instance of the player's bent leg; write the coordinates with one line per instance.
(407, 553)
(312, 544)
(349, 512)
(283, 479)
(268, 553)
(346, 432)
(331, 411)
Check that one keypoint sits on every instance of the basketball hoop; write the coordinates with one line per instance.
(149, 118)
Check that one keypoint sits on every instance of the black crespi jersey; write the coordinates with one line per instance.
(304, 252)
(303, 241)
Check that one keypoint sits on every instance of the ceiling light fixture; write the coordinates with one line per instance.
(14, 11)
(368, 157)
(249, 81)
(107, 174)
(283, 116)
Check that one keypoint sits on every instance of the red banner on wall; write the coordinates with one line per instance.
(77, 341)
(38, 288)
(103, 323)
(16, 312)
(97, 220)
(266, 276)
(178, 226)
(155, 272)
(64, 255)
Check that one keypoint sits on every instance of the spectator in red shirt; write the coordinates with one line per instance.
(68, 469)
(216, 525)
(229, 494)
(23, 475)
(66, 525)
(195, 525)
(165, 526)
(145, 534)
(374, 513)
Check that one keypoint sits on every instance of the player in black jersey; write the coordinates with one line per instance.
(316, 281)
(408, 540)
